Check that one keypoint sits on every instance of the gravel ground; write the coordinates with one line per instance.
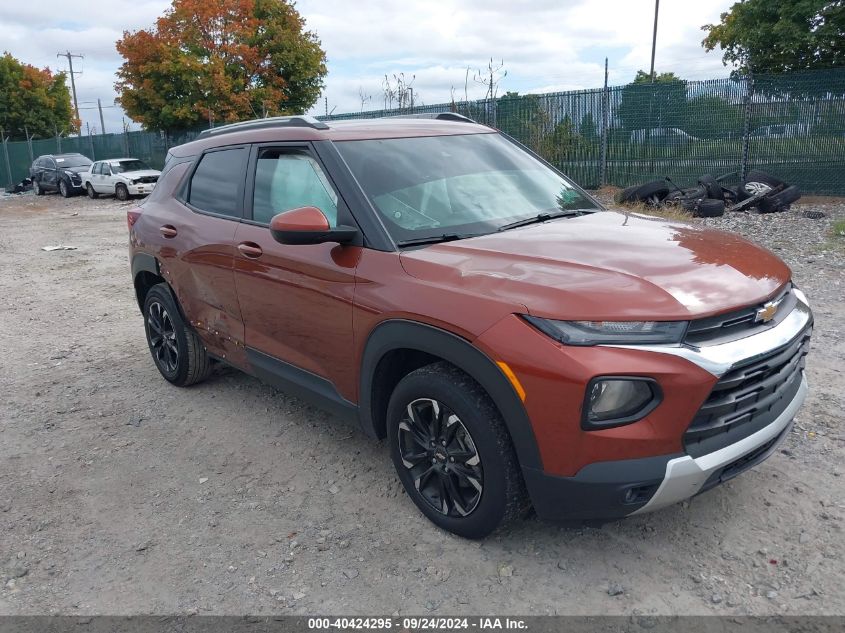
(120, 494)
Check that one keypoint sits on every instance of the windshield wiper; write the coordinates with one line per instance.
(434, 239)
(541, 217)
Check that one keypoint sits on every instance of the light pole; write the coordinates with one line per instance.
(654, 38)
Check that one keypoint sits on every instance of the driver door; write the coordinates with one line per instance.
(296, 300)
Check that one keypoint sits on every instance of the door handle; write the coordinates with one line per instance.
(250, 250)
(168, 231)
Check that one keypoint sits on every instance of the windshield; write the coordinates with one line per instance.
(128, 165)
(466, 184)
(72, 161)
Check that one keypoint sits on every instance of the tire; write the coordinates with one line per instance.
(756, 182)
(651, 193)
(625, 195)
(691, 193)
(779, 201)
(178, 353)
(36, 187)
(121, 192)
(477, 434)
(91, 193)
(712, 188)
(64, 189)
(705, 207)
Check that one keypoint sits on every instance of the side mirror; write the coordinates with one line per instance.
(308, 225)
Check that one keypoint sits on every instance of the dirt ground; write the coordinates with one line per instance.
(120, 494)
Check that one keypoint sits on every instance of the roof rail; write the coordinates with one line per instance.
(440, 116)
(257, 124)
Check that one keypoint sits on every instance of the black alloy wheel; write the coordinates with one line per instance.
(163, 343)
(176, 348)
(453, 453)
(441, 457)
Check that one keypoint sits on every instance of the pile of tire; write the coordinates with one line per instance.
(708, 198)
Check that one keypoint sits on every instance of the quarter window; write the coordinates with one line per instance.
(286, 180)
(216, 183)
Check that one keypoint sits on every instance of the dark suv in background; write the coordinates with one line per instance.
(58, 172)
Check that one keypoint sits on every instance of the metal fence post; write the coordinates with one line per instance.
(603, 152)
(29, 143)
(746, 128)
(6, 155)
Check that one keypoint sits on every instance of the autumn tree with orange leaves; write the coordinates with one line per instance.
(220, 61)
(33, 100)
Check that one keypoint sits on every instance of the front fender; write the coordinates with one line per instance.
(404, 334)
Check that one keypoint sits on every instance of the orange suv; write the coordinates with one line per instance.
(517, 344)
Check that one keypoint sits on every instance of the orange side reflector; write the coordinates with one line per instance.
(512, 377)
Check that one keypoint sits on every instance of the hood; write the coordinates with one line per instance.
(76, 170)
(140, 173)
(607, 265)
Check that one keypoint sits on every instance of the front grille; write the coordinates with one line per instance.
(747, 398)
(745, 462)
(147, 179)
(739, 323)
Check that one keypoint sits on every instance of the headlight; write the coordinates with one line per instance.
(616, 400)
(611, 332)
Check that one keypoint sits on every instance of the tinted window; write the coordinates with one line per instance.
(73, 160)
(216, 184)
(128, 165)
(287, 180)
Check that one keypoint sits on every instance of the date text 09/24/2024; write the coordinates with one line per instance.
(416, 623)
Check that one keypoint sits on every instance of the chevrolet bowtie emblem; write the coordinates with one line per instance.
(767, 312)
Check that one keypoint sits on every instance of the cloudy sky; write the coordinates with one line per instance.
(546, 45)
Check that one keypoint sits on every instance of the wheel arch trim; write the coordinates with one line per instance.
(395, 334)
(143, 263)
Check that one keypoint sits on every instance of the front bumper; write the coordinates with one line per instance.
(686, 476)
(612, 490)
(612, 487)
(141, 189)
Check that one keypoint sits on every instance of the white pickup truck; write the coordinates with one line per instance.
(122, 177)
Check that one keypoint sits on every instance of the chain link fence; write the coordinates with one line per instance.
(791, 125)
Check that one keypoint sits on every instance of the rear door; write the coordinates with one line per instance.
(196, 247)
(296, 301)
(50, 174)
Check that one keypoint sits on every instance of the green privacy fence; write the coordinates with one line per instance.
(791, 125)
(151, 147)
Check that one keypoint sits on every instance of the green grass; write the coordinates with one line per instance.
(837, 230)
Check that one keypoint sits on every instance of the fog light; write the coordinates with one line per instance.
(613, 401)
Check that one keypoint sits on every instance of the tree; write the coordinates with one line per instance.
(772, 36)
(33, 100)
(648, 105)
(221, 61)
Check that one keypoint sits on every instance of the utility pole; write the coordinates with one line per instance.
(102, 124)
(70, 57)
(654, 38)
